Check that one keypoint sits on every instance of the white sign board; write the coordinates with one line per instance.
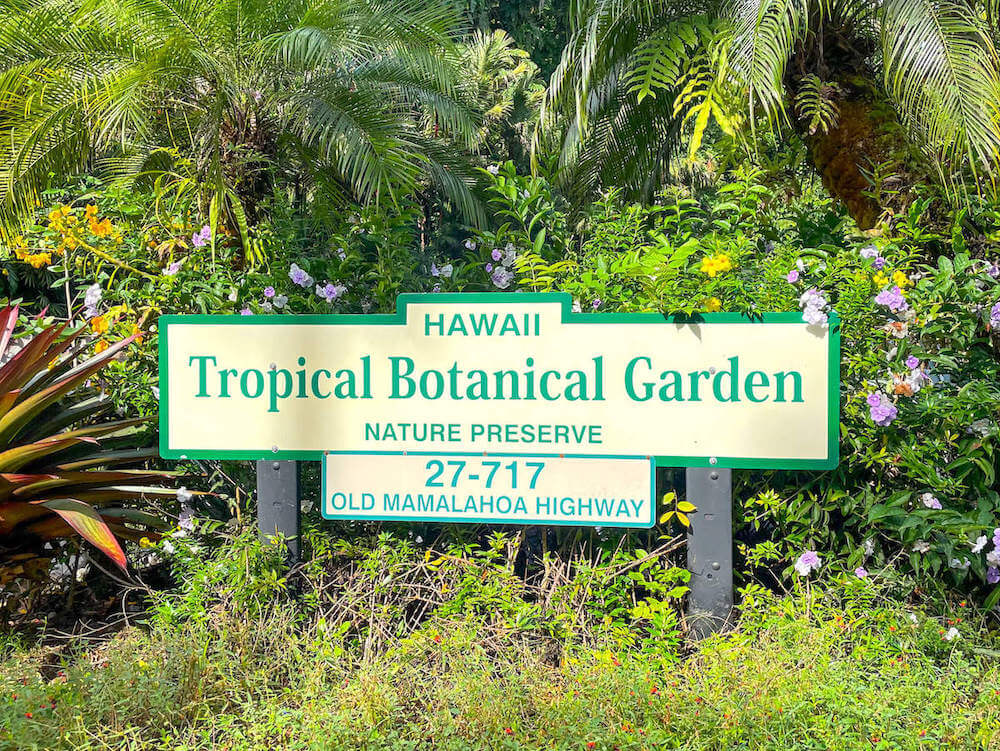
(503, 373)
(596, 491)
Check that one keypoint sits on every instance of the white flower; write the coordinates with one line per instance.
(576, 306)
(509, 256)
(266, 306)
(869, 546)
(912, 617)
(993, 558)
(470, 244)
(168, 547)
(156, 392)
(493, 169)
(921, 546)
(963, 564)
(979, 544)
(184, 495)
(233, 296)
(950, 634)
(280, 301)
(446, 271)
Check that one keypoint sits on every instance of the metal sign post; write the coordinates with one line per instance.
(710, 550)
(278, 501)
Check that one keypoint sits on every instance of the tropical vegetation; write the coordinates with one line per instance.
(324, 156)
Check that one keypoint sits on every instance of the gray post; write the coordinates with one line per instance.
(710, 550)
(278, 501)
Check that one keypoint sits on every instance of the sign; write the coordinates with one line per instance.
(604, 491)
(503, 373)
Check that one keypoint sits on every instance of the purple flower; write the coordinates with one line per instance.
(172, 269)
(246, 312)
(930, 501)
(893, 299)
(793, 276)
(437, 288)
(596, 304)
(882, 411)
(331, 291)
(299, 276)
(879, 263)
(912, 362)
(861, 572)
(807, 562)
(994, 270)
(502, 277)
(269, 292)
(496, 255)
(489, 268)
(200, 239)
(995, 315)
(869, 251)
(993, 575)
(813, 304)
(435, 271)
(341, 254)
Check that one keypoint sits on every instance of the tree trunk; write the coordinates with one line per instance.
(839, 155)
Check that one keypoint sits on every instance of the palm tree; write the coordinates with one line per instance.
(637, 74)
(360, 98)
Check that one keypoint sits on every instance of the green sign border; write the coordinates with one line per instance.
(506, 298)
(481, 520)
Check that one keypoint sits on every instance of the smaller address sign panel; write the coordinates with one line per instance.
(500, 489)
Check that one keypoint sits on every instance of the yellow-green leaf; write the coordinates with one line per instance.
(686, 506)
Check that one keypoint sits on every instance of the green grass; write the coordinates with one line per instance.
(834, 671)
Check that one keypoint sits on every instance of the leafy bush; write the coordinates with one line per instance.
(63, 462)
(918, 323)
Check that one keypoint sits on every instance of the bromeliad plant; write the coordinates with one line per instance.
(62, 466)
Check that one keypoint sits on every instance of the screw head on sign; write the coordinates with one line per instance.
(273, 366)
(274, 448)
(713, 460)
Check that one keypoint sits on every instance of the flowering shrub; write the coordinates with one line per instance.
(919, 320)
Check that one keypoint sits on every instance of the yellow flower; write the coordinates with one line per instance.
(102, 228)
(880, 279)
(91, 211)
(99, 324)
(901, 280)
(101, 346)
(713, 304)
(38, 260)
(713, 265)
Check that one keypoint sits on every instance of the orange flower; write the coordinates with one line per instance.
(91, 211)
(102, 228)
(99, 325)
(101, 346)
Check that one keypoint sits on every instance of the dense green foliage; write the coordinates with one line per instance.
(831, 158)
(348, 668)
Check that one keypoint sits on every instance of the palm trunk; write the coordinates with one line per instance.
(844, 153)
